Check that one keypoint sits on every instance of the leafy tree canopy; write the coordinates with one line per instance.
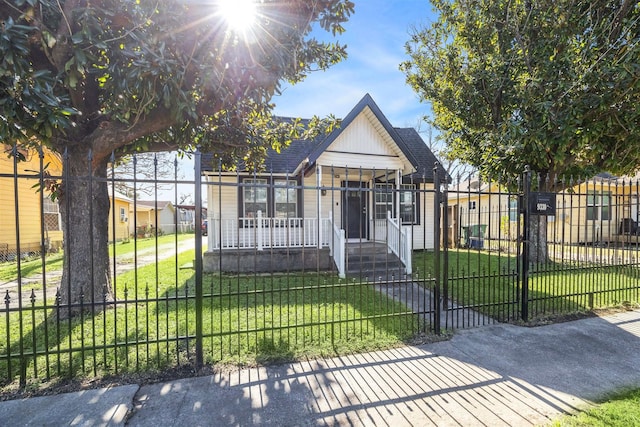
(137, 75)
(99, 79)
(553, 84)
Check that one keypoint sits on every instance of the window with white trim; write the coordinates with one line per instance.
(286, 199)
(408, 203)
(273, 197)
(254, 198)
(383, 200)
(598, 206)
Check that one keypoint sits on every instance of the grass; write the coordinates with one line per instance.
(129, 247)
(489, 283)
(246, 320)
(53, 261)
(619, 410)
(30, 266)
(254, 319)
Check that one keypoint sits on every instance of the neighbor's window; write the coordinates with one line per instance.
(51, 214)
(286, 199)
(598, 206)
(472, 205)
(605, 207)
(254, 197)
(513, 210)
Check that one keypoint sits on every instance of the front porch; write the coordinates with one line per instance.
(262, 244)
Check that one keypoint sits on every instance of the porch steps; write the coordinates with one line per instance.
(370, 261)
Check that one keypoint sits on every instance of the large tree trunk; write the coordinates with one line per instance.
(84, 206)
(538, 248)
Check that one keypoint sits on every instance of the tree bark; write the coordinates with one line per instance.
(538, 248)
(84, 206)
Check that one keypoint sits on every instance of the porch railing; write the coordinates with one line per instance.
(399, 241)
(262, 233)
(338, 247)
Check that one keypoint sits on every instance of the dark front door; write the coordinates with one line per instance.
(354, 209)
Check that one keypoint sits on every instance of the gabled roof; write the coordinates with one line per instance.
(120, 196)
(424, 158)
(306, 152)
(152, 204)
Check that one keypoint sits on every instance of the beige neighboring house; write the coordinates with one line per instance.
(601, 209)
(365, 182)
(157, 214)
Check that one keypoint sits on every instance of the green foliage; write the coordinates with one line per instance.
(107, 78)
(554, 84)
(133, 75)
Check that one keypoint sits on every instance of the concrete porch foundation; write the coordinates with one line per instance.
(267, 261)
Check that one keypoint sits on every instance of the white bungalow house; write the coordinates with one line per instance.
(358, 201)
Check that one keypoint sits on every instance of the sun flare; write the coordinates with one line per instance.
(239, 14)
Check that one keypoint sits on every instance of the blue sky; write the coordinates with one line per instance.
(375, 37)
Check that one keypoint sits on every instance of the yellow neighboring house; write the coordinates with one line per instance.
(38, 221)
(124, 219)
(479, 211)
(602, 209)
(120, 218)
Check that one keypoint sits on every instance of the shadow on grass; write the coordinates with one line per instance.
(246, 319)
(254, 319)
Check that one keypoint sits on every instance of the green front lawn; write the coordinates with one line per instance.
(489, 283)
(246, 320)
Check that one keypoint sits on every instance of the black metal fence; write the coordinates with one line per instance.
(281, 266)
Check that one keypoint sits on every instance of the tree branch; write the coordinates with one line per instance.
(111, 135)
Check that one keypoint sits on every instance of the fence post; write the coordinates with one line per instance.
(445, 247)
(198, 256)
(524, 300)
(436, 248)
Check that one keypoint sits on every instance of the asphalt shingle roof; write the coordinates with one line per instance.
(289, 158)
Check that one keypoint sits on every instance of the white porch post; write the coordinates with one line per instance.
(259, 231)
(398, 187)
(212, 230)
(319, 196)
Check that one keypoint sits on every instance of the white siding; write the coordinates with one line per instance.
(423, 237)
(364, 145)
(222, 199)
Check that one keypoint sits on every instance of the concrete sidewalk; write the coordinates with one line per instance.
(495, 375)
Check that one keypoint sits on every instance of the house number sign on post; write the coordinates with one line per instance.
(541, 203)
